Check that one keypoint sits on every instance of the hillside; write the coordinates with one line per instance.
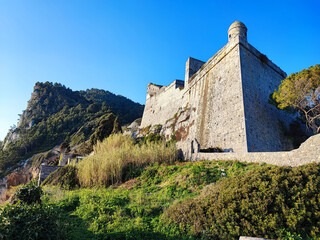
(194, 200)
(139, 189)
(55, 114)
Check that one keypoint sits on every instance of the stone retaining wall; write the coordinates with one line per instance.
(308, 152)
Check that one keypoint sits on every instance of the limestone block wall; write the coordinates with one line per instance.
(308, 152)
(215, 92)
(162, 105)
(260, 77)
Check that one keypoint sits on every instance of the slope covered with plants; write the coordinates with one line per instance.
(137, 189)
(55, 114)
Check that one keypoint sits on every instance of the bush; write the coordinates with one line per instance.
(265, 202)
(114, 158)
(29, 222)
(29, 193)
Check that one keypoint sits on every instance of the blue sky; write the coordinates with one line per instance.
(123, 45)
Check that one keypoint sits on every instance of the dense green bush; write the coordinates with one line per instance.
(34, 222)
(265, 202)
(109, 124)
(30, 193)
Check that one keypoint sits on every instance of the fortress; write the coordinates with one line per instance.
(223, 102)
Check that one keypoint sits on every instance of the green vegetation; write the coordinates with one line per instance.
(28, 218)
(268, 202)
(56, 114)
(29, 194)
(36, 222)
(134, 209)
(181, 200)
(108, 125)
(301, 92)
(117, 158)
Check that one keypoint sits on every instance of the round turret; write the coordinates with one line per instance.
(237, 29)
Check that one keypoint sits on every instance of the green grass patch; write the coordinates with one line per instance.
(133, 210)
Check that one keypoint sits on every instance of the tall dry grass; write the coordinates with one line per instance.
(117, 154)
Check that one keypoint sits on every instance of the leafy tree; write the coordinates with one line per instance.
(301, 91)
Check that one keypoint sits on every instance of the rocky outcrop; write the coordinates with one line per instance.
(11, 137)
(133, 128)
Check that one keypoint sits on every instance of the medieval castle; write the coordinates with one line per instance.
(223, 102)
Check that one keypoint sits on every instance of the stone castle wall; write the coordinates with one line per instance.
(260, 77)
(224, 102)
(215, 92)
(162, 103)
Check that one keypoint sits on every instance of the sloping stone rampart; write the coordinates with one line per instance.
(216, 94)
(260, 77)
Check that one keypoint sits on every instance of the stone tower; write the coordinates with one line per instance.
(237, 30)
(224, 102)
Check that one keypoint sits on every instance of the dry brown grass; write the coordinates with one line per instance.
(116, 154)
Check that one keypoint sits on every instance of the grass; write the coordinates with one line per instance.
(144, 207)
(133, 210)
(117, 156)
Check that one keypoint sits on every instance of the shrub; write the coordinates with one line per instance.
(29, 222)
(258, 203)
(29, 193)
(115, 156)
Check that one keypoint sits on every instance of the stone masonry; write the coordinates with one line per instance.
(308, 152)
(223, 103)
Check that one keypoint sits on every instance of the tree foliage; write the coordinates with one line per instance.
(22, 221)
(301, 91)
(29, 194)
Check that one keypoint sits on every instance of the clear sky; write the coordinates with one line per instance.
(122, 45)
